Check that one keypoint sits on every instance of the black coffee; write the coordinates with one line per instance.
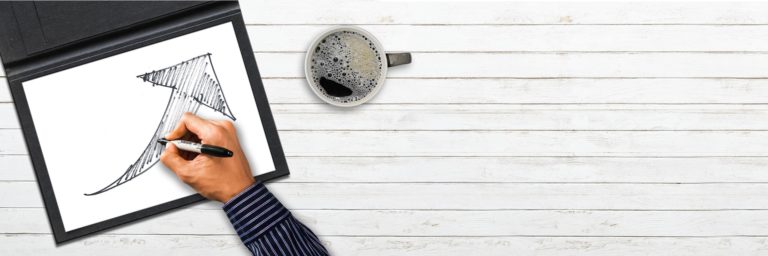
(333, 88)
(346, 65)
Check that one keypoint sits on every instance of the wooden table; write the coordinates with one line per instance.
(520, 129)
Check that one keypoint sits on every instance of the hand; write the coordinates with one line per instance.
(216, 178)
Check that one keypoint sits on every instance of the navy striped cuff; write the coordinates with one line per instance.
(254, 212)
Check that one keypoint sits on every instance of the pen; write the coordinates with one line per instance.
(198, 148)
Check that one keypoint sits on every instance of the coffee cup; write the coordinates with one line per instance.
(346, 66)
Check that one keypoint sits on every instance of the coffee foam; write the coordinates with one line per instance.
(350, 59)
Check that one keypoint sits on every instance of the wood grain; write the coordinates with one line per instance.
(543, 91)
(550, 65)
(546, 38)
(537, 143)
(464, 117)
(533, 91)
(5, 92)
(446, 223)
(498, 12)
(534, 128)
(495, 196)
(496, 169)
(24, 244)
(467, 117)
(501, 143)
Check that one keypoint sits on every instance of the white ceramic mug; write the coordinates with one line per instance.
(392, 59)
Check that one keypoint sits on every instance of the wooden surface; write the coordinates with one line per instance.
(520, 129)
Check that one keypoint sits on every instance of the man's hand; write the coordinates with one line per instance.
(215, 178)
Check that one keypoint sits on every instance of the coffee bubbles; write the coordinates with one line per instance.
(345, 66)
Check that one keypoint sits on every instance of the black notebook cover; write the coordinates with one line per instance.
(42, 38)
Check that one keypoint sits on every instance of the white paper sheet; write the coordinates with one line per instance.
(93, 121)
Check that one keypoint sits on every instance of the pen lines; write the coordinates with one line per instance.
(194, 84)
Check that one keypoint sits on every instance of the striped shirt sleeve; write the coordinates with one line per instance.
(266, 227)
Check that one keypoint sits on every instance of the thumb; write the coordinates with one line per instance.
(171, 158)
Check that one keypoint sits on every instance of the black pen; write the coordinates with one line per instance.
(198, 148)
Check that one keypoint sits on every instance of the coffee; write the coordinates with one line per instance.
(345, 66)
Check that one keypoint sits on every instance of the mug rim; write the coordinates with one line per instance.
(308, 60)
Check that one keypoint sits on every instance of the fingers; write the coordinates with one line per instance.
(192, 123)
(226, 124)
(172, 159)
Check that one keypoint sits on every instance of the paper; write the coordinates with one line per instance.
(95, 122)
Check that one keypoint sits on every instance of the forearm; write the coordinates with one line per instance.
(266, 227)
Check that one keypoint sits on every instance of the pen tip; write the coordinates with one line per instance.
(162, 141)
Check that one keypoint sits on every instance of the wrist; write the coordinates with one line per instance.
(235, 190)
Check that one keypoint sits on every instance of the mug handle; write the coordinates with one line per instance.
(398, 58)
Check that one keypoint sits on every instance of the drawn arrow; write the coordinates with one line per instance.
(193, 84)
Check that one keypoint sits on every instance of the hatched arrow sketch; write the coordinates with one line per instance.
(193, 84)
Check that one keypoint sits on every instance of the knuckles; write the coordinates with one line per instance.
(220, 130)
(186, 177)
(227, 125)
(164, 158)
